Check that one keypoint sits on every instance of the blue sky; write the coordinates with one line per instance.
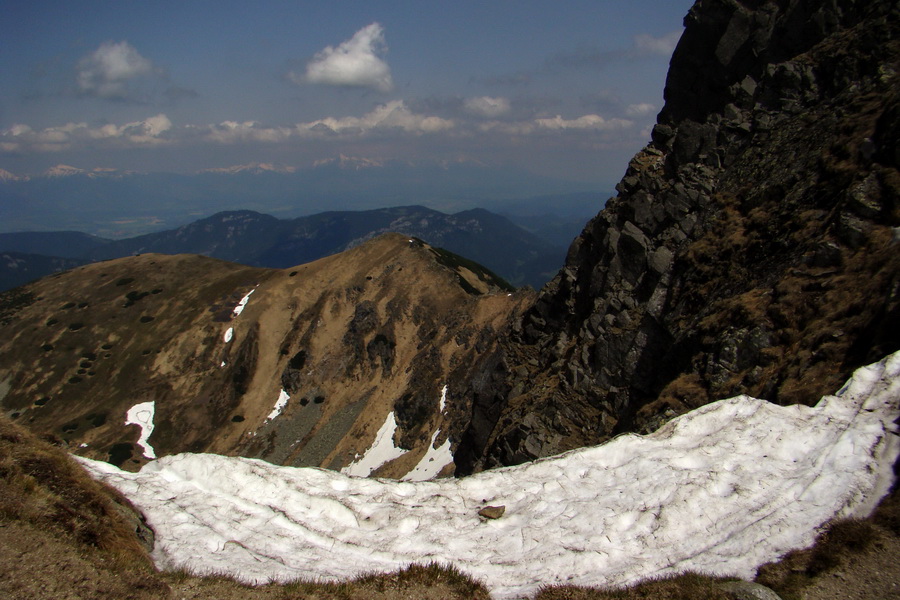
(567, 89)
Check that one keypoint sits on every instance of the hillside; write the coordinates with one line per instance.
(752, 247)
(300, 367)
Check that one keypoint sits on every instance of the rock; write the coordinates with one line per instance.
(759, 215)
(138, 524)
(492, 512)
(747, 590)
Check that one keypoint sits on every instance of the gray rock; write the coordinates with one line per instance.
(136, 520)
(747, 590)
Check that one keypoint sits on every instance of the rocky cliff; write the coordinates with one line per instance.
(752, 247)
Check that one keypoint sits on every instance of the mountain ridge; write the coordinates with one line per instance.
(299, 366)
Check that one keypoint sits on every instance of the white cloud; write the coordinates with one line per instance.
(486, 106)
(232, 132)
(392, 116)
(22, 138)
(664, 45)
(593, 122)
(639, 110)
(393, 120)
(105, 72)
(356, 62)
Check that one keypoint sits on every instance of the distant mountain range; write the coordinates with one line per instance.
(117, 204)
(260, 240)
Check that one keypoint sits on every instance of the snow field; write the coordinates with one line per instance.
(142, 415)
(722, 490)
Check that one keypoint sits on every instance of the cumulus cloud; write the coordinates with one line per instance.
(593, 122)
(356, 62)
(148, 132)
(486, 106)
(394, 115)
(108, 70)
(664, 45)
(233, 132)
(640, 109)
(389, 122)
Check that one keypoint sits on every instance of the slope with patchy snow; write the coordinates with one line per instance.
(722, 489)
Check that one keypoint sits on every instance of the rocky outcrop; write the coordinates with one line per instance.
(752, 247)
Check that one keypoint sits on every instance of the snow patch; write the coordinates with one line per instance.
(720, 490)
(382, 451)
(243, 303)
(282, 401)
(443, 399)
(142, 416)
(229, 334)
(434, 460)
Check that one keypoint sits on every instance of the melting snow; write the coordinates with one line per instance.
(240, 305)
(382, 451)
(279, 405)
(443, 399)
(722, 489)
(434, 460)
(142, 415)
(229, 334)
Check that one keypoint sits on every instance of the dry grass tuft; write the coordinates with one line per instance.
(688, 586)
(833, 549)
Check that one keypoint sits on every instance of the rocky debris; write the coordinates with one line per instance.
(748, 249)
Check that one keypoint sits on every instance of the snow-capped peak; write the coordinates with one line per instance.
(63, 171)
(254, 168)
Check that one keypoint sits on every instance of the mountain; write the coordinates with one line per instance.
(752, 246)
(256, 239)
(306, 366)
(118, 204)
(68, 244)
(751, 249)
(18, 268)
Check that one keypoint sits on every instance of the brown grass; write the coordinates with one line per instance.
(842, 542)
(689, 586)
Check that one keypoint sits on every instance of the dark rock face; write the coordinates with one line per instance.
(751, 248)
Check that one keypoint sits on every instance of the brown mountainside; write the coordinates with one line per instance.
(752, 247)
(350, 338)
